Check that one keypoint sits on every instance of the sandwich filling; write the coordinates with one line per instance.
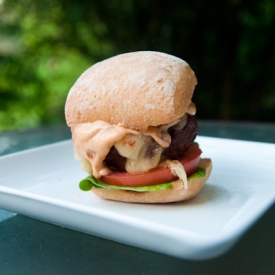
(102, 147)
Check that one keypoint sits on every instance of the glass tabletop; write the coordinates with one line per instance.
(29, 246)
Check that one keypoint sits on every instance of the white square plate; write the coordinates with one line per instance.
(43, 183)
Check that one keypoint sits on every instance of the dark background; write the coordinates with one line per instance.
(46, 45)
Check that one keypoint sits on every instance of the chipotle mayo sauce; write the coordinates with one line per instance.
(93, 141)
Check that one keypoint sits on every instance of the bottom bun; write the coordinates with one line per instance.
(176, 193)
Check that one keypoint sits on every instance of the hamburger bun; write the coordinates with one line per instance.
(140, 93)
(138, 89)
(177, 193)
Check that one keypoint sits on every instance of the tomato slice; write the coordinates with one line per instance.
(154, 176)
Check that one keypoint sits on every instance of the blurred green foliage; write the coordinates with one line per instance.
(46, 45)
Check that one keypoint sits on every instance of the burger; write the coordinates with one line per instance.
(133, 129)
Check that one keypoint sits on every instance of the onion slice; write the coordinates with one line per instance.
(177, 169)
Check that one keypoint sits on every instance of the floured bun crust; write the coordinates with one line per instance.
(177, 193)
(138, 89)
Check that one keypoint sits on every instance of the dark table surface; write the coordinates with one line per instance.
(29, 246)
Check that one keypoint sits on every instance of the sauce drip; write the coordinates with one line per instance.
(191, 109)
(94, 140)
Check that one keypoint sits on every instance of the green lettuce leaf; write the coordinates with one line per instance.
(200, 173)
(91, 182)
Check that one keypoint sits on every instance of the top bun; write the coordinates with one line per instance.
(137, 89)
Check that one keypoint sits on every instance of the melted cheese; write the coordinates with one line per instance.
(141, 151)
